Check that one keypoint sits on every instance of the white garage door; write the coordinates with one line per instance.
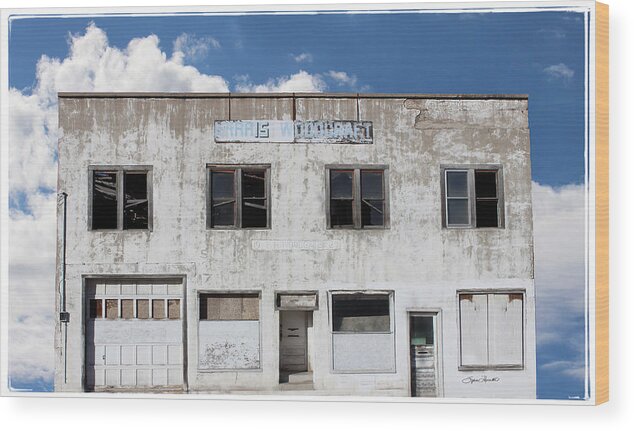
(134, 334)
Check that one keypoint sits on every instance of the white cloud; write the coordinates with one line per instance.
(303, 57)
(559, 226)
(194, 48)
(32, 287)
(301, 81)
(567, 368)
(92, 65)
(559, 71)
(342, 78)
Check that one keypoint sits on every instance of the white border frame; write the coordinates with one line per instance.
(581, 6)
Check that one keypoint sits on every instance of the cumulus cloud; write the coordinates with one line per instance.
(303, 57)
(194, 48)
(559, 71)
(559, 226)
(91, 65)
(342, 78)
(301, 81)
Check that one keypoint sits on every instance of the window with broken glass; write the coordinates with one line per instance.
(120, 198)
(238, 197)
(357, 197)
(472, 197)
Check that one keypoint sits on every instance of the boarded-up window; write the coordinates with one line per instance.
(143, 308)
(361, 313)
(491, 329)
(473, 329)
(127, 308)
(230, 307)
(112, 308)
(96, 311)
(173, 309)
(158, 309)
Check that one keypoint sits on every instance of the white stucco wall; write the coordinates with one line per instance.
(423, 263)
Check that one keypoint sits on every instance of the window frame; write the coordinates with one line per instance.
(120, 170)
(331, 309)
(356, 195)
(237, 184)
(471, 194)
(489, 366)
(210, 292)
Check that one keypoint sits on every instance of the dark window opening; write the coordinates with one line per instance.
(372, 198)
(254, 205)
(486, 199)
(104, 200)
(361, 313)
(223, 199)
(239, 198)
(341, 198)
(135, 204)
(96, 308)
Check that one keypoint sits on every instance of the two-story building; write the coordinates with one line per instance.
(330, 244)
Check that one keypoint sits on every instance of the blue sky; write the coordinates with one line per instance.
(539, 54)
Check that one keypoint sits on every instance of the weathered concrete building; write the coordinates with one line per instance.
(333, 244)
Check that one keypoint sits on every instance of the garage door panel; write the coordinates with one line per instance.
(113, 355)
(128, 377)
(113, 377)
(149, 331)
(159, 377)
(134, 351)
(128, 355)
(174, 355)
(159, 355)
(143, 355)
(144, 378)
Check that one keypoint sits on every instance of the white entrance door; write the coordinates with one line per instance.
(293, 346)
(134, 334)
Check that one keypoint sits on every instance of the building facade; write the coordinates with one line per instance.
(328, 244)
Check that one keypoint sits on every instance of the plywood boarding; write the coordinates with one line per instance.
(602, 204)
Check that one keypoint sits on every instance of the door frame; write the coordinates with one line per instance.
(85, 310)
(436, 313)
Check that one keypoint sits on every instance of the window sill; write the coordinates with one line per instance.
(491, 368)
(225, 229)
(120, 230)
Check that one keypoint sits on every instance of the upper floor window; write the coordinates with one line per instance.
(120, 198)
(238, 197)
(357, 197)
(472, 197)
